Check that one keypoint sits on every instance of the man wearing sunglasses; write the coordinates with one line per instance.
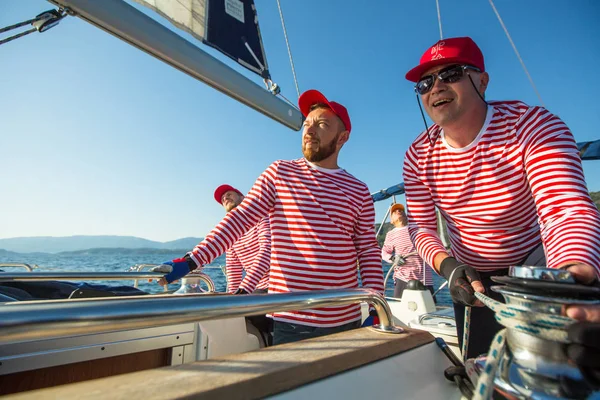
(506, 177)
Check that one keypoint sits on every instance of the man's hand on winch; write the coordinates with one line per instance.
(587, 275)
(463, 281)
(584, 336)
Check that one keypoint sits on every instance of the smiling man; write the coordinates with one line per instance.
(322, 226)
(507, 179)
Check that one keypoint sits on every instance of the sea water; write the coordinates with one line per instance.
(121, 260)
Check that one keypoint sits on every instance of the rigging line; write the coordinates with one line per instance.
(437, 4)
(288, 48)
(285, 98)
(20, 24)
(517, 53)
(17, 36)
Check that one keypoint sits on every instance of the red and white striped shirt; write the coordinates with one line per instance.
(397, 242)
(518, 184)
(322, 225)
(251, 253)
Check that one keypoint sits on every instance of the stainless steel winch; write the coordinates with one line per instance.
(533, 364)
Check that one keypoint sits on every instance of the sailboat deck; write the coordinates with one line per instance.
(249, 375)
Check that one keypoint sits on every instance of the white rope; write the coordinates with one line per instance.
(287, 43)
(545, 326)
(466, 333)
(437, 4)
(517, 53)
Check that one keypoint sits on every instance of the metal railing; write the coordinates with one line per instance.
(401, 261)
(17, 265)
(97, 276)
(77, 275)
(26, 322)
(202, 276)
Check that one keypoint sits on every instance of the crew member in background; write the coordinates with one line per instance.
(399, 250)
(250, 254)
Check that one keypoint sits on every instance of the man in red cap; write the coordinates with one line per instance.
(315, 243)
(507, 179)
(251, 253)
(399, 250)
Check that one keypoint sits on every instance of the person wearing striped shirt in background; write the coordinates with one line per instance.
(398, 244)
(251, 253)
(322, 226)
(507, 179)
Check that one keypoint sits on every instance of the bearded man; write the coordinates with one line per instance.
(321, 219)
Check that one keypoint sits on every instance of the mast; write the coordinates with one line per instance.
(134, 27)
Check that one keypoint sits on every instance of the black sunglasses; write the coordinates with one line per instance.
(450, 74)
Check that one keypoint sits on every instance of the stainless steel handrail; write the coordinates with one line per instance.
(443, 285)
(202, 276)
(17, 265)
(397, 262)
(76, 275)
(139, 268)
(98, 276)
(41, 321)
(80, 276)
(199, 275)
(387, 276)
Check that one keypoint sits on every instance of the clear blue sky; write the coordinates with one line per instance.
(97, 137)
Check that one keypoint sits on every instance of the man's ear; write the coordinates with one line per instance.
(343, 138)
(484, 79)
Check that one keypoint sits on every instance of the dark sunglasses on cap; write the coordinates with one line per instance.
(451, 74)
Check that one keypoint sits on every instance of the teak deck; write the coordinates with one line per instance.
(249, 375)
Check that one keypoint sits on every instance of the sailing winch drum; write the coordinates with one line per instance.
(534, 364)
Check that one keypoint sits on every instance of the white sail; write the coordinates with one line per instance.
(187, 15)
(230, 26)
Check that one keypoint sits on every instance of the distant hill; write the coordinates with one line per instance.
(6, 253)
(115, 250)
(596, 198)
(51, 244)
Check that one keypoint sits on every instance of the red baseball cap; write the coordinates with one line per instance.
(460, 50)
(312, 97)
(220, 191)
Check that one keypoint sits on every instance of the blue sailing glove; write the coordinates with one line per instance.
(176, 269)
(372, 319)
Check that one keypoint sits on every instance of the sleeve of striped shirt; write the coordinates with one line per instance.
(369, 262)
(388, 249)
(233, 267)
(262, 260)
(255, 206)
(422, 224)
(569, 220)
